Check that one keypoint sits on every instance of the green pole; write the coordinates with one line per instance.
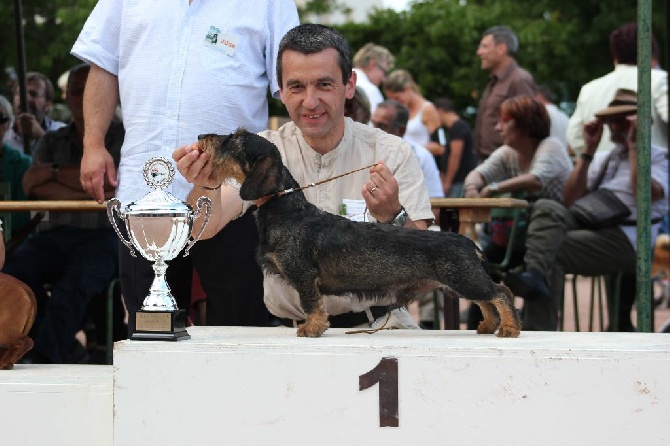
(644, 166)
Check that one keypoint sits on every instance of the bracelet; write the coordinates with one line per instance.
(586, 156)
(212, 188)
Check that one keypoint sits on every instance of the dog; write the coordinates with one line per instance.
(17, 314)
(319, 253)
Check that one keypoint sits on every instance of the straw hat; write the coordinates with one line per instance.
(624, 103)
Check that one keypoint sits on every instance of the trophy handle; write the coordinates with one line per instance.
(207, 203)
(114, 205)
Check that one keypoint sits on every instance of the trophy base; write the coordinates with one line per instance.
(160, 326)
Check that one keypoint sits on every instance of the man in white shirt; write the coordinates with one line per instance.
(559, 119)
(371, 63)
(181, 69)
(595, 95)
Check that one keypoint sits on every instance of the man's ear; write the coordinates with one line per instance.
(264, 178)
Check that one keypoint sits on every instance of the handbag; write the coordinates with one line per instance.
(599, 209)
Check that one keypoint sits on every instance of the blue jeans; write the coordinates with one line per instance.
(77, 264)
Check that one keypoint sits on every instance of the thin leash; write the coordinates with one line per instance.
(281, 193)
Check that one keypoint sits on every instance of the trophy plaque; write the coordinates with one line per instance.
(159, 226)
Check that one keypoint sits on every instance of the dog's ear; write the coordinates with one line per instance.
(264, 178)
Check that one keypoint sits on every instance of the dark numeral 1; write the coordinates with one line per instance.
(386, 374)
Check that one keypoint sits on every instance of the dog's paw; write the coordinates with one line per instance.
(486, 327)
(314, 326)
(507, 331)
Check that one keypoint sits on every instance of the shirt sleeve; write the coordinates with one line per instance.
(493, 169)
(98, 42)
(546, 163)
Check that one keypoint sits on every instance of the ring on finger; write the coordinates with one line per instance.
(372, 191)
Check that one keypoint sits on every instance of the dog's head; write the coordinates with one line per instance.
(250, 159)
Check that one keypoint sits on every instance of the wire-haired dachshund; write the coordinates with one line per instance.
(319, 253)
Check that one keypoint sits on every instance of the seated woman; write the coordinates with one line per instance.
(530, 161)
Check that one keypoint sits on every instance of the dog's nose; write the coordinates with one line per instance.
(204, 135)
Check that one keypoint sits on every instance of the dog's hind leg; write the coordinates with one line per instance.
(510, 323)
(491, 319)
(311, 300)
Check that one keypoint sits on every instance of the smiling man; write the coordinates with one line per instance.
(314, 70)
(496, 51)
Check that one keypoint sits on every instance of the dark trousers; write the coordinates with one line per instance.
(136, 275)
(77, 264)
(230, 275)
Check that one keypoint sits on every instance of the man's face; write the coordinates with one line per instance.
(38, 105)
(382, 118)
(314, 95)
(376, 72)
(75, 94)
(619, 126)
(490, 53)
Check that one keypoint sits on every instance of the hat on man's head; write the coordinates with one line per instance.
(624, 103)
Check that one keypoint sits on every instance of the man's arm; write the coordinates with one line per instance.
(226, 202)
(575, 186)
(101, 97)
(454, 162)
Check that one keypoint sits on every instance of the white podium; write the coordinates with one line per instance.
(263, 386)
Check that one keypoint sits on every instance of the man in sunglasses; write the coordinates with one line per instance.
(34, 122)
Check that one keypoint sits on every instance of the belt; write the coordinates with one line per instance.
(347, 320)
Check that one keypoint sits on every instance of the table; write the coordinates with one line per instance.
(460, 215)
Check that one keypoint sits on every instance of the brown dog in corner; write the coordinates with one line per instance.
(306, 246)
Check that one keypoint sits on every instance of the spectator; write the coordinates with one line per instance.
(460, 156)
(75, 253)
(424, 121)
(496, 50)
(358, 107)
(391, 116)
(34, 122)
(559, 119)
(371, 63)
(315, 77)
(530, 160)
(595, 95)
(211, 66)
(14, 165)
(558, 244)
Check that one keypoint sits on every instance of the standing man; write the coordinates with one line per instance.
(35, 122)
(371, 63)
(460, 157)
(508, 79)
(180, 70)
(315, 77)
(595, 95)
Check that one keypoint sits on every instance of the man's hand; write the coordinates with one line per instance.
(195, 167)
(593, 132)
(380, 193)
(28, 126)
(96, 165)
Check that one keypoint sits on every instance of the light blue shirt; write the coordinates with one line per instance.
(184, 70)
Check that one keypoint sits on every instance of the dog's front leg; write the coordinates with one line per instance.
(314, 306)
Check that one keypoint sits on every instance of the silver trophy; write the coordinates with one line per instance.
(159, 226)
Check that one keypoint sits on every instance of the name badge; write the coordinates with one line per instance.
(355, 210)
(221, 41)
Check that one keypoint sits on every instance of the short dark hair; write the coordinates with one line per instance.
(529, 116)
(623, 44)
(311, 38)
(33, 76)
(503, 34)
(401, 116)
(444, 104)
(73, 70)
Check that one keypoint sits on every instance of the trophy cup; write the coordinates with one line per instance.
(159, 226)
